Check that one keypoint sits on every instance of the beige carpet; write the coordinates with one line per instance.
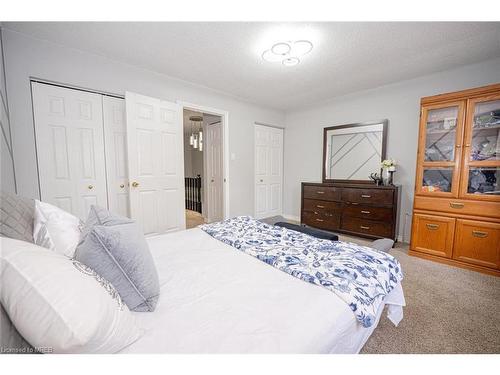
(448, 309)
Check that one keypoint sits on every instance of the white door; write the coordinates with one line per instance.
(268, 171)
(115, 139)
(156, 163)
(214, 175)
(70, 148)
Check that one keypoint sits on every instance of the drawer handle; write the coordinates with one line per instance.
(456, 205)
(363, 227)
(365, 212)
(319, 220)
(365, 196)
(320, 206)
(480, 234)
(320, 192)
(432, 226)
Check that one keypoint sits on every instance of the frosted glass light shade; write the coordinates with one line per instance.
(301, 47)
(281, 48)
(191, 139)
(291, 61)
(200, 136)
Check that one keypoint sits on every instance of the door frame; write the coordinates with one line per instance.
(224, 115)
(282, 164)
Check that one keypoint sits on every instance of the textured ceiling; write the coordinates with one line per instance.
(347, 57)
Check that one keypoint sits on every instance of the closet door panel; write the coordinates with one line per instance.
(115, 135)
(70, 147)
(156, 165)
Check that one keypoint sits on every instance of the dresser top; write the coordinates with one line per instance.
(368, 185)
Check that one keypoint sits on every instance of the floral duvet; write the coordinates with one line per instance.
(359, 275)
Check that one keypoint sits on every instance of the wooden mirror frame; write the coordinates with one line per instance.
(383, 155)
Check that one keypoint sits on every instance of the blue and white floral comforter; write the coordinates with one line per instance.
(359, 275)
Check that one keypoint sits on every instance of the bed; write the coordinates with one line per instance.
(216, 299)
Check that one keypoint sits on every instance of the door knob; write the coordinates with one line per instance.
(122, 186)
(212, 180)
(90, 187)
(135, 184)
(261, 180)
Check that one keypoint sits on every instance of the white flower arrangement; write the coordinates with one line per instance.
(389, 164)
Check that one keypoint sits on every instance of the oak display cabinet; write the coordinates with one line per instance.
(456, 212)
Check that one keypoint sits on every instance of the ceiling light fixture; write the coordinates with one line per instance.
(287, 53)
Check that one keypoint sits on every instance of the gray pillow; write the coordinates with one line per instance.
(118, 251)
(383, 244)
(101, 216)
(16, 216)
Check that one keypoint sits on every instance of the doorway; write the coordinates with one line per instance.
(203, 167)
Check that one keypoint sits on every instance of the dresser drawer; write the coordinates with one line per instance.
(370, 196)
(327, 193)
(369, 227)
(320, 220)
(433, 234)
(369, 212)
(477, 242)
(324, 206)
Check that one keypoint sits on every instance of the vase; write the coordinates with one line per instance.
(385, 176)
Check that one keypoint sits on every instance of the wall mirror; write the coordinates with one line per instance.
(352, 152)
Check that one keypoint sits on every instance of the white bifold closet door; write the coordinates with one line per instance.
(268, 171)
(115, 136)
(70, 148)
(156, 163)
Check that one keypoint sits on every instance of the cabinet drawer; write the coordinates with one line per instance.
(327, 193)
(317, 205)
(478, 242)
(369, 227)
(458, 206)
(322, 221)
(433, 234)
(370, 196)
(369, 212)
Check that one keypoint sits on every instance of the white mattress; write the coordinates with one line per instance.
(216, 299)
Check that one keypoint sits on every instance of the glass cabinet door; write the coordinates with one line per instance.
(481, 177)
(440, 149)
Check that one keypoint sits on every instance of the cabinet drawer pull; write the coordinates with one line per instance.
(432, 226)
(365, 212)
(365, 196)
(320, 206)
(319, 220)
(320, 192)
(480, 234)
(456, 205)
(363, 227)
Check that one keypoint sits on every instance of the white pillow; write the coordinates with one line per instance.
(56, 229)
(59, 304)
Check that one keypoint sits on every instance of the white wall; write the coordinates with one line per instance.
(28, 57)
(400, 103)
(7, 178)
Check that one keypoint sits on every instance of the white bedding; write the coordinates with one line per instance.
(216, 299)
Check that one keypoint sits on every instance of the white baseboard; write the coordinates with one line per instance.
(291, 217)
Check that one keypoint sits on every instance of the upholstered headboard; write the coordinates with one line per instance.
(16, 216)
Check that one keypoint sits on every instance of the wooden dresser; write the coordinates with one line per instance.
(365, 210)
(456, 211)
